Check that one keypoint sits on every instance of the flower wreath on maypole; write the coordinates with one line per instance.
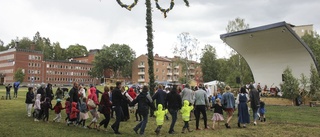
(165, 11)
(128, 7)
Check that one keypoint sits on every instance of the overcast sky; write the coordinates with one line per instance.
(94, 23)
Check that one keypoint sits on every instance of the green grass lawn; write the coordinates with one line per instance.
(281, 121)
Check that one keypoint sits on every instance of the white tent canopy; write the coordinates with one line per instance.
(213, 85)
(269, 50)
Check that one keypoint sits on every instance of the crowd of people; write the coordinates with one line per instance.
(119, 101)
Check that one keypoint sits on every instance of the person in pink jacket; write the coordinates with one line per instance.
(93, 110)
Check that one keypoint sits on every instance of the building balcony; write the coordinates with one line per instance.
(169, 73)
(191, 73)
(141, 73)
(141, 66)
(177, 67)
(191, 68)
(176, 73)
(168, 67)
(175, 80)
(169, 80)
(141, 80)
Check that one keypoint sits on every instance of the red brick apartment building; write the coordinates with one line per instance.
(39, 71)
(165, 70)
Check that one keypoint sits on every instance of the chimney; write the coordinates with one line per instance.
(32, 46)
(16, 44)
(156, 55)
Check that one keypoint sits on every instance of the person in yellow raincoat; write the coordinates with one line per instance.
(160, 114)
(185, 110)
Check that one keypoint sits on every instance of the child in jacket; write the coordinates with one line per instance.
(185, 111)
(68, 110)
(160, 114)
(37, 108)
(57, 109)
(73, 114)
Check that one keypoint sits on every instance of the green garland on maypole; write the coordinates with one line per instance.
(187, 2)
(128, 7)
(165, 11)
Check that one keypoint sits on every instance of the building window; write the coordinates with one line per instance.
(141, 63)
(157, 69)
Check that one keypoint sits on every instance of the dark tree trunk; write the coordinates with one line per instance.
(150, 46)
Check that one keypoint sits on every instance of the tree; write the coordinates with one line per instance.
(187, 50)
(2, 47)
(118, 58)
(150, 32)
(237, 25)
(58, 52)
(19, 75)
(290, 85)
(314, 83)
(43, 44)
(222, 69)
(25, 43)
(208, 64)
(304, 86)
(243, 70)
(76, 51)
(304, 83)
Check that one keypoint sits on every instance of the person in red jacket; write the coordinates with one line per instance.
(73, 114)
(133, 95)
(93, 110)
(68, 110)
(57, 109)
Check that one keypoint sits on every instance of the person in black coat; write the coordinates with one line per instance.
(173, 103)
(117, 98)
(73, 93)
(29, 100)
(160, 98)
(41, 90)
(49, 92)
(8, 88)
(144, 103)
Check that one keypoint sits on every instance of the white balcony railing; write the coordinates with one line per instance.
(176, 73)
(141, 66)
(141, 73)
(141, 80)
(169, 73)
(177, 67)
